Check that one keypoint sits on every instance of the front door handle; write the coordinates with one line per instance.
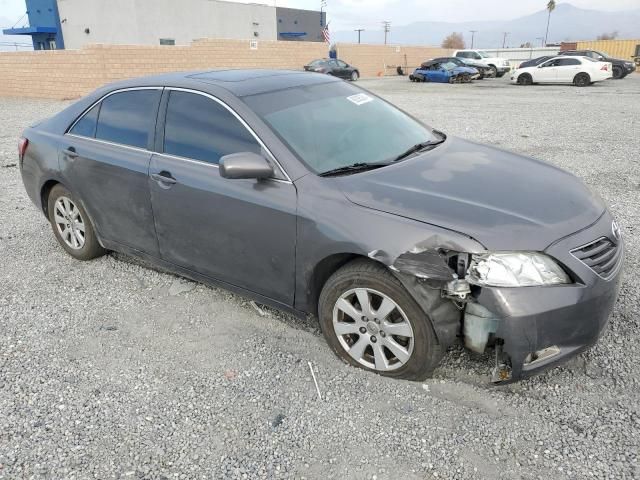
(70, 152)
(164, 178)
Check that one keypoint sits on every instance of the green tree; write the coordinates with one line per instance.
(551, 6)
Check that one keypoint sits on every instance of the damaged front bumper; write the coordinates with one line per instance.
(535, 328)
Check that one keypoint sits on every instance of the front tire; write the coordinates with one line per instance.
(618, 73)
(354, 76)
(494, 70)
(371, 322)
(582, 80)
(72, 226)
(525, 79)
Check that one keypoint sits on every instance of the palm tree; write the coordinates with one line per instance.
(551, 6)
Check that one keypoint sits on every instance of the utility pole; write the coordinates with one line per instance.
(359, 30)
(387, 29)
(504, 38)
(473, 34)
(323, 4)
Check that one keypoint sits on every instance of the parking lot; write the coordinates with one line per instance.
(110, 369)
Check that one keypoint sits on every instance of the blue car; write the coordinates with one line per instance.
(447, 72)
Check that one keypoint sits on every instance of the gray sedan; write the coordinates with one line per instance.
(317, 197)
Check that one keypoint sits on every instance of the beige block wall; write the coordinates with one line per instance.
(622, 49)
(378, 60)
(66, 74)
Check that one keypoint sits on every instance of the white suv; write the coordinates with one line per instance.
(500, 66)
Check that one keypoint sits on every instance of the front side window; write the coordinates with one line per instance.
(128, 118)
(332, 125)
(199, 128)
(86, 126)
(341, 64)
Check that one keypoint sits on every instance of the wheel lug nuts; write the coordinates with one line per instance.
(376, 320)
(382, 334)
(363, 330)
(374, 339)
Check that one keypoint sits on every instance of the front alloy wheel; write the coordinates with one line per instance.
(373, 329)
(354, 76)
(370, 321)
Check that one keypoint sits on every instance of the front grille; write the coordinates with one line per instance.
(601, 256)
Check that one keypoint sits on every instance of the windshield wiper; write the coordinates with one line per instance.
(419, 147)
(353, 168)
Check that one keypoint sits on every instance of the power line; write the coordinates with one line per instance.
(387, 28)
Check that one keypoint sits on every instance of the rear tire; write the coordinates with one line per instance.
(582, 80)
(412, 356)
(525, 79)
(494, 70)
(72, 226)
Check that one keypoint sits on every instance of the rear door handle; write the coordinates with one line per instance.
(164, 178)
(70, 152)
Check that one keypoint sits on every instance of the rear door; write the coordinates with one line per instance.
(105, 162)
(567, 68)
(242, 232)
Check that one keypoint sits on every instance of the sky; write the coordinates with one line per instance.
(349, 14)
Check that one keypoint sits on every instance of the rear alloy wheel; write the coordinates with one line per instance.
(494, 70)
(617, 73)
(525, 79)
(72, 226)
(371, 322)
(354, 76)
(582, 80)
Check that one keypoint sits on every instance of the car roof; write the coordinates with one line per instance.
(240, 82)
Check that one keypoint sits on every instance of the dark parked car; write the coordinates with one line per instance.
(535, 61)
(335, 67)
(621, 68)
(484, 70)
(317, 197)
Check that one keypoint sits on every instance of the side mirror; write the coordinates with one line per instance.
(245, 165)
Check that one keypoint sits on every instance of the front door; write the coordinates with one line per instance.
(241, 232)
(105, 161)
(567, 69)
(547, 72)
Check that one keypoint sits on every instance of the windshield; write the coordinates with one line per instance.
(332, 125)
(483, 54)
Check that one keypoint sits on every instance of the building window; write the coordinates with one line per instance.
(167, 41)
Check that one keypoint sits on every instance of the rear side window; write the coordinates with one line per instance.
(563, 62)
(128, 117)
(199, 128)
(86, 126)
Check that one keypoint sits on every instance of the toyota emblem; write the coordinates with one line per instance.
(615, 229)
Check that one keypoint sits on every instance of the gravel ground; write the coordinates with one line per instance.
(109, 369)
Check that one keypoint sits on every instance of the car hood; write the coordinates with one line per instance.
(503, 200)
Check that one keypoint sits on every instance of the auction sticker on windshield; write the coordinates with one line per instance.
(360, 99)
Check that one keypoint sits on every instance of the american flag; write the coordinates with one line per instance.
(326, 34)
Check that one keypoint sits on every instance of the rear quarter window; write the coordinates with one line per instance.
(128, 118)
(86, 126)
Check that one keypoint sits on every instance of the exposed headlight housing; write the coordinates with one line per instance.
(515, 269)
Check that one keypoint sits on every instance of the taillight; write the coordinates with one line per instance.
(23, 143)
(605, 68)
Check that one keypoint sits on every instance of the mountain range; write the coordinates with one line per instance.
(568, 23)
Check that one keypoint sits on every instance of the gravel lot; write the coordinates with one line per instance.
(109, 369)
